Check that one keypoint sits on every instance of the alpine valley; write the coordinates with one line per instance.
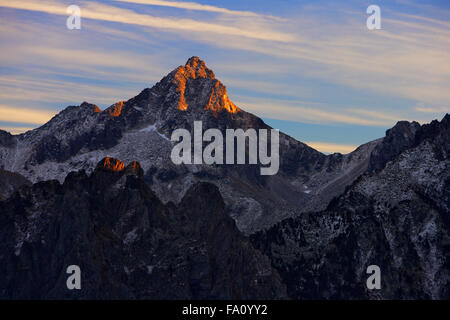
(98, 189)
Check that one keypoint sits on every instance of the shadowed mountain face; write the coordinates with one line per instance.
(127, 243)
(397, 218)
(6, 139)
(140, 129)
(10, 182)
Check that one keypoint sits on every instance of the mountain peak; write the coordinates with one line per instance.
(196, 68)
(217, 98)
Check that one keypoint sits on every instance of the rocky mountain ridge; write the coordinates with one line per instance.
(140, 129)
(397, 217)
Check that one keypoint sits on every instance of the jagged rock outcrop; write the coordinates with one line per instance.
(397, 217)
(116, 109)
(111, 164)
(127, 243)
(10, 182)
(134, 168)
(398, 138)
(405, 135)
(6, 139)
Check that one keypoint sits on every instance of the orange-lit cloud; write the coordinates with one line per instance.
(25, 115)
(331, 147)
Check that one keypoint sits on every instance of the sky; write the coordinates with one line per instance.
(309, 68)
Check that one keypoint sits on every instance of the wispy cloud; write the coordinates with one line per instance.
(98, 11)
(406, 59)
(195, 6)
(426, 19)
(26, 89)
(420, 107)
(331, 147)
(25, 115)
(389, 117)
(307, 112)
(16, 130)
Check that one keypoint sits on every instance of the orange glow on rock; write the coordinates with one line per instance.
(196, 69)
(116, 109)
(113, 164)
(219, 101)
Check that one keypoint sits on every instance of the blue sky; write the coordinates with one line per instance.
(310, 68)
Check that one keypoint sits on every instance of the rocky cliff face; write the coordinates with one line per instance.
(127, 243)
(396, 217)
(10, 182)
(6, 139)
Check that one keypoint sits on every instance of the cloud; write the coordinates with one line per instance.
(331, 147)
(306, 112)
(47, 90)
(97, 11)
(16, 130)
(42, 49)
(420, 107)
(42, 65)
(389, 117)
(88, 58)
(434, 21)
(25, 115)
(405, 59)
(267, 86)
(194, 6)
